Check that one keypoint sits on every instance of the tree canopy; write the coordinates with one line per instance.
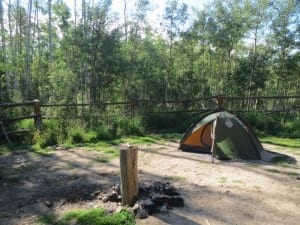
(84, 54)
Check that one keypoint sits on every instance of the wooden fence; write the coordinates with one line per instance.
(264, 104)
(5, 120)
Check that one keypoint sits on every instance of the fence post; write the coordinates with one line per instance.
(129, 179)
(37, 114)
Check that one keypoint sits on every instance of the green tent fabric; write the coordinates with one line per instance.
(234, 139)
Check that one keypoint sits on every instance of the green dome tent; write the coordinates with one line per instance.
(234, 139)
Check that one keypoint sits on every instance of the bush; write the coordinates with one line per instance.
(51, 134)
(76, 134)
(262, 123)
(130, 126)
(177, 122)
(45, 139)
(105, 132)
(292, 128)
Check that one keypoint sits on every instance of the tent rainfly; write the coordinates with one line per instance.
(234, 139)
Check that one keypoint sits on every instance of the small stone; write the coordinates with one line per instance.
(164, 209)
(48, 204)
(117, 188)
(149, 206)
(169, 190)
(161, 199)
(136, 207)
(105, 199)
(142, 214)
(113, 197)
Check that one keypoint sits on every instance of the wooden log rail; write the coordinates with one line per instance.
(37, 115)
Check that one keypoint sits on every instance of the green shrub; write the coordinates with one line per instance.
(51, 134)
(105, 132)
(292, 128)
(131, 126)
(169, 121)
(46, 138)
(264, 123)
(76, 135)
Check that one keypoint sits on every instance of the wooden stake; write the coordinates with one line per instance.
(129, 178)
(37, 114)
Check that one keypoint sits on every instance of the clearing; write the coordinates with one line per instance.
(224, 192)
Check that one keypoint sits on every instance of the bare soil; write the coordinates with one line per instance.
(223, 192)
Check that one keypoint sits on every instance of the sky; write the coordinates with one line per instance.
(156, 16)
(158, 5)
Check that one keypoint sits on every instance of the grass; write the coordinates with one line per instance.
(291, 174)
(12, 148)
(238, 181)
(285, 142)
(223, 180)
(176, 178)
(89, 217)
(102, 160)
(4, 149)
(37, 149)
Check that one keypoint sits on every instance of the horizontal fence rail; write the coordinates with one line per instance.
(264, 104)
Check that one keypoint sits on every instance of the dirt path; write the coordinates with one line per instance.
(224, 192)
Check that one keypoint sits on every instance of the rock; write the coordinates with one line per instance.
(145, 187)
(149, 206)
(161, 199)
(48, 204)
(164, 209)
(95, 194)
(142, 214)
(105, 199)
(114, 197)
(170, 190)
(111, 197)
(136, 207)
(158, 186)
(117, 188)
(298, 177)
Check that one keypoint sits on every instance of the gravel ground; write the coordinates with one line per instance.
(224, 192)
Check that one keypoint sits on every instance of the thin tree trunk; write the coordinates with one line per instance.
(38, 44)
(11, 45)
(50, 31)
(125, 20)
(83, 11)
(28, 53)
(3, 43)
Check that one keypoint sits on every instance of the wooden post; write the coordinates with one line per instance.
(129, 178)
(220, 102)
(37, 114)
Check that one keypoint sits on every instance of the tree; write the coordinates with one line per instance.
(175, 16)
(283, 40)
